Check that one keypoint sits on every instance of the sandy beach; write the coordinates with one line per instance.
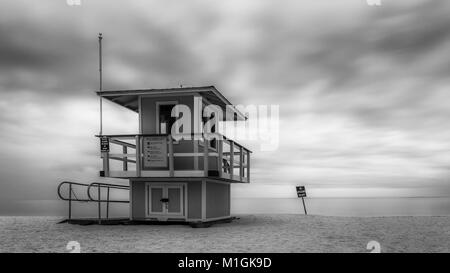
(249, 233)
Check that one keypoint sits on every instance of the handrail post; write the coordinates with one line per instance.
(241, 161)
(231, 159)
(248, 167)
(70, 201)
(99, 206)
(205, 157)
(220, 156)
(107, 203)
(138, 156)
(125, 159)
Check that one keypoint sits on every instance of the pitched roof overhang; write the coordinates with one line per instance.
(130, 98)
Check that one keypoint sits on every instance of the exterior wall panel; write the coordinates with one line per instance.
(217, 199)
(195, 200)
(148, 126)
(138, 202)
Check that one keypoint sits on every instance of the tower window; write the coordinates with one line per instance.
(165, 119)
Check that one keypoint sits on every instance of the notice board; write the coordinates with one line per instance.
(155, 151)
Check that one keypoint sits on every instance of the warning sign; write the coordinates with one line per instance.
(301, 192)
(104, 145)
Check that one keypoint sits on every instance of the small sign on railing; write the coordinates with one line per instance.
(104, 145)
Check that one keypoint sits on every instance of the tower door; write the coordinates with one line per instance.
(175, 200)
(155, 198)
(165, 201)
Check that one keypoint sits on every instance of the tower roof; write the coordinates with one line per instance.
(130, 98)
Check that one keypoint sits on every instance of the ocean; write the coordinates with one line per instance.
(404, 206)
(365, 207)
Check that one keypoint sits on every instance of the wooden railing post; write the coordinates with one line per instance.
(231, 159)
(99, 205)
(125, 159)
(105, 156)
(219, 156)
(138, 156)
(171, 161)
(205, 157)
(107, 203)
(248, 166)
(241, 162)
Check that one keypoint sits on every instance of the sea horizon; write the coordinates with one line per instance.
(325, 206)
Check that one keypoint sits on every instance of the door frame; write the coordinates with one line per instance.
(165, 185)
(166, 190)
(148, 199)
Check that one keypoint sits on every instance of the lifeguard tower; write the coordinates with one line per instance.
(183, 177)
(174, 180)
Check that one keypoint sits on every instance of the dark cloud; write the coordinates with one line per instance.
(417, 30)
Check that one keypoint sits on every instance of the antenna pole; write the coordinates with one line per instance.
(101, 84)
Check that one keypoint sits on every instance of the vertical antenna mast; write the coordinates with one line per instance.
(101, 84)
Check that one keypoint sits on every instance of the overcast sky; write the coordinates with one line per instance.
(363, 91)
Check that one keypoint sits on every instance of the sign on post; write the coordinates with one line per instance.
(301, 193)
(104, 145)
(155, 151)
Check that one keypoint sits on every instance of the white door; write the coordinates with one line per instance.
(174, 194)
(155, 205)
(165, 201)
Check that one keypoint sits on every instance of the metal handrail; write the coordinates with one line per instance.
(70, 191)
(90, 198)
(107, 186)
(70, 199)
(107, 201)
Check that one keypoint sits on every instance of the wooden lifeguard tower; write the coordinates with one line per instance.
(171, 178)
(174, 180)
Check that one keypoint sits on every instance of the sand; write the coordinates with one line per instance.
(250, 233)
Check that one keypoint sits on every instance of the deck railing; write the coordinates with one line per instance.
(222, 157)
